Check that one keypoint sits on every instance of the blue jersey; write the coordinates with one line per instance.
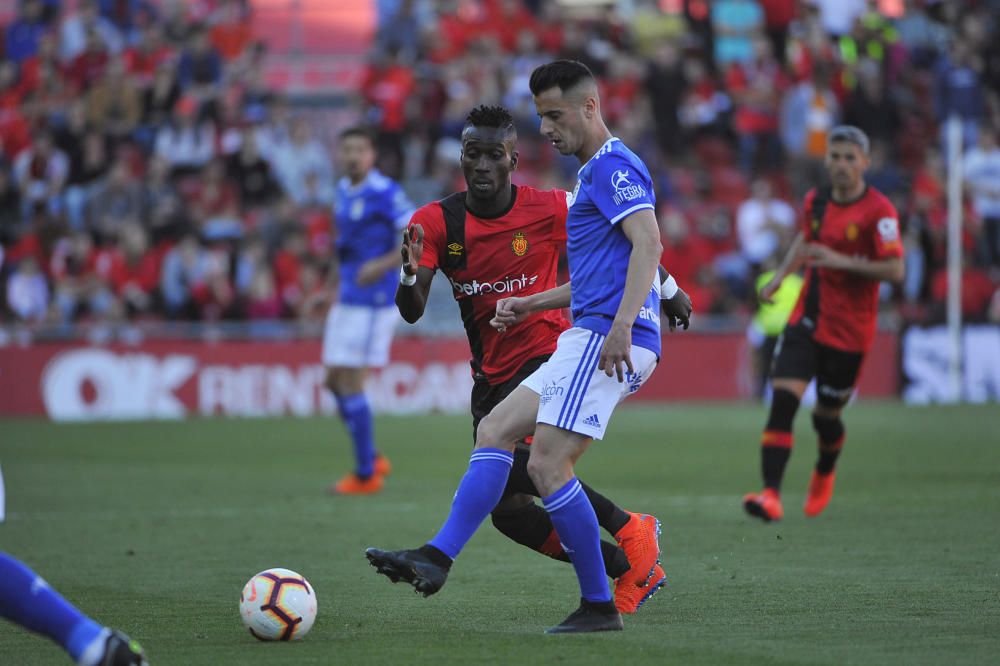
(370, 218)
(612, 185)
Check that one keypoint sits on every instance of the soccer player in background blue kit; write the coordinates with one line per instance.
(371, 211)
(613, 248)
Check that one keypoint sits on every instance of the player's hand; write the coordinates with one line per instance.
(510, 311)
(768, 291)
(616, 353)
(677, 310)
(822, 256)
(369, 273)
(413, 248)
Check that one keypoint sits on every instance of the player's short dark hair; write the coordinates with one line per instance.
(850, 134)
(563, 74)
(358, 130)
(490, 116)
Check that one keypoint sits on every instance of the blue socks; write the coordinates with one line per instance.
(357, 417)
(576, 524)
(27, 600)
(478, 492)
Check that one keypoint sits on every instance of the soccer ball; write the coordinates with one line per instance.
(278, 605)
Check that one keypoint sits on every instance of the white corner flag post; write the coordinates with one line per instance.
(954, 304)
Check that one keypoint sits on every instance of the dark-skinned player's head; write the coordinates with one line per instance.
(567, 102)
(489, 151)
(356, 152)
(847, 149)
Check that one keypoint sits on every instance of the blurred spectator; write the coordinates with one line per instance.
(735, 23)
(136, 271)
(838, 15)
(84, 25)
(957, 91)
(302, 155)
(778, 16)
(89, 160)
(184, 268)
(11, 214)
(883, 173)
(924, 38)
(756, 87)
(231, 31)
(185, 143)
(665, 84)
(764, 224)
(27, 291)
(215, 204)
(386, 89)
(982, 177)
(47, 56)
(143, 58)
(263, 301)
(314, 296)
(705, 107)
(161, 97)
(88, 66)
(114, 103)
(199, 69)
(162, 208)
(977, 292)
(872, 105)
(808, 111)
(40, 172)
(79, 289)
(116, 203)
(252, 173)
(23, 33)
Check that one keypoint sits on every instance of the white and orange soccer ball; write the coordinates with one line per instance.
(278, 605)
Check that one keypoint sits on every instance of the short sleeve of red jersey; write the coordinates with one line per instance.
(806, 224)
(560, 205)
(887, 239)
(431, 218)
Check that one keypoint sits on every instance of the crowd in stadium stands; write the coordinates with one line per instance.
(147, 172)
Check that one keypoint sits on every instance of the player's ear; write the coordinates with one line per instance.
(513, 160)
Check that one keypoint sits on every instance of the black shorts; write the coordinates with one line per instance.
(486, 396)
(799, 356)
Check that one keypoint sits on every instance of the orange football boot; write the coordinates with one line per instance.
(352, 484)
(639, 538)
(382, 465)
(629, 598)
(820, 492)
(765, 505)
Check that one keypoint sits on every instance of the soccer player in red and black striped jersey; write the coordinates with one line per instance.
(493, 241)
(849, 243)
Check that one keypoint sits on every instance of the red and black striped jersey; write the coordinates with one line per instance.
(486, 259)
(840, 307)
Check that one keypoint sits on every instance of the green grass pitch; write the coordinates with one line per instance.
(154, 528)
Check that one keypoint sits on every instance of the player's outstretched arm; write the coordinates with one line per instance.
(888, 270)
(414, 279)
(643, 233)
(791, 263)
(514, 310)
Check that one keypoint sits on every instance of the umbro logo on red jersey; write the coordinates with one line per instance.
(506, 285)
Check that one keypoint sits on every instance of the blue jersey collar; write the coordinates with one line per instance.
(602, 149)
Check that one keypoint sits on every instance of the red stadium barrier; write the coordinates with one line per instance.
(175, 379)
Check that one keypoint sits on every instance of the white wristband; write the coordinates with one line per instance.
(668, 288)
(406, 279)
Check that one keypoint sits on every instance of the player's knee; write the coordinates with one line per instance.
(332, 380)
(829, 428)
(784, 404)
(494, 433)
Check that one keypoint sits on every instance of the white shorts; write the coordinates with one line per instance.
(358, 336)
(574, 394)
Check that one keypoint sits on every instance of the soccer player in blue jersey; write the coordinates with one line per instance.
(371, 211)
(613, 248)
(27, 600)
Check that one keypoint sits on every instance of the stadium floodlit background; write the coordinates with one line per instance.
(166, 177)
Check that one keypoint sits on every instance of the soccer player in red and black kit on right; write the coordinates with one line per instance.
(492, 241)
(849, 243)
